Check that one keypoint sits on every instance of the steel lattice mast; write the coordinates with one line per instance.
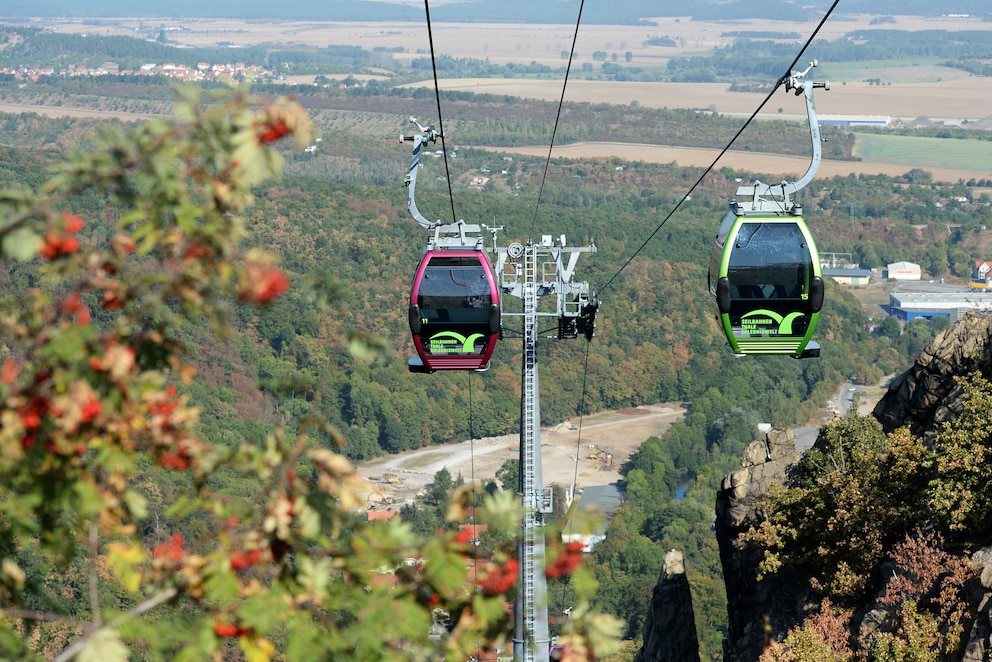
(529, 273)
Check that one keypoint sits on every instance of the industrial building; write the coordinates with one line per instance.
(903, 271)
(855, 120)
(848, 276)
(953, 305)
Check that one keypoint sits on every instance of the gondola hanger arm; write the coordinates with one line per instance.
(458, 233)
(755, 195)
(425, 134)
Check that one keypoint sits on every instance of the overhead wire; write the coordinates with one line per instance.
(530, 233)
(437, 98)
(575, 473)
(554, 131)
(454, 219)
(723, 151)
(654, 233)
(585, 367)
(473, 521)
(544, 176)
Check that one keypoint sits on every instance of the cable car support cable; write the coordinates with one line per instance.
(576, 313)
(554, 131)
(437, 99)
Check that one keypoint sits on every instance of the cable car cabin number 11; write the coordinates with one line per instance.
(454, 310)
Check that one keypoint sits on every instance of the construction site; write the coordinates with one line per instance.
(574, 456)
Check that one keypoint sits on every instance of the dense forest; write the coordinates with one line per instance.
(339, 220)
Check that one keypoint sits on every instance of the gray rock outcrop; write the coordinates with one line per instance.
(922, 398)
(926, 395)
(979, 646)
(670, 630)
(757, 611)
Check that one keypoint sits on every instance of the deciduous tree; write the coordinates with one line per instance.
(96, 429)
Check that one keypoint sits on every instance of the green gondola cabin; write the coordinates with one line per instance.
(765, 275)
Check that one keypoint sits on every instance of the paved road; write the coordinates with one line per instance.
(805, 438)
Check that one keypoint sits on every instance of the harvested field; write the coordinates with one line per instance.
(913, 92)
(774, 166)
(949, 98)
(938, 101)
(497, 42)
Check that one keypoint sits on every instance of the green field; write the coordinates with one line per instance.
(889, 71)
(925, 152)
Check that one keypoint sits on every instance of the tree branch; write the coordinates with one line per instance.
(94, 541)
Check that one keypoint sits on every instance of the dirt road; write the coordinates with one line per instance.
(565, 453)
(565, 449)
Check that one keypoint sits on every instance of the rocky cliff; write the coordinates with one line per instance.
(757, 611)
(670, 630)
(922, 398)
(926, 395)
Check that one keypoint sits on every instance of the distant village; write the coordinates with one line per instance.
(203, 71)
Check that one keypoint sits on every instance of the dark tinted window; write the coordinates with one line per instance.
(769, 261)
(462, 291)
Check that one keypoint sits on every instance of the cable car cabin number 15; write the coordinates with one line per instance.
(764, 271)
(765, 275)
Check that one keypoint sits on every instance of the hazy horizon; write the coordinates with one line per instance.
(510, 11)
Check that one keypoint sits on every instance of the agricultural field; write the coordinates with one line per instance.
(887, 72)
(770, 166)
(926, 152)
(910, 88)
(497, 42)
(942, 101)
(901, 89)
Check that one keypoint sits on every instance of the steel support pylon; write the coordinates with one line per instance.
(531, 616)
(529, 273)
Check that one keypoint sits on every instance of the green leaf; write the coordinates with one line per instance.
(314, 576)
(365, 346)
(10, 644)
(88, 500)
(222, 587)
(124, 559)
(21, 244)
(257, 649)
(309, 521)
(104, 646)
(136, 503)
